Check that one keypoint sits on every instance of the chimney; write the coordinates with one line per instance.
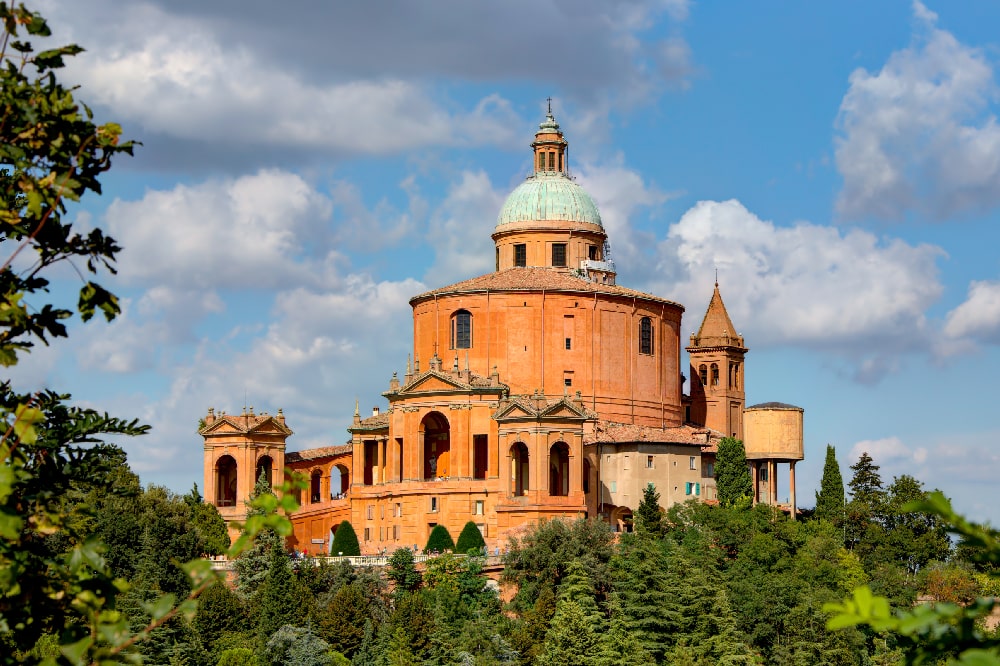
(210, 419)
(281, 416)
(374, 411)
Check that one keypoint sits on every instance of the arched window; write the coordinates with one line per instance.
(264, 465)
(703, 374)
(519, 469)
(225, 481)
(715, 375)
(461, 330)
(316, 482)
(340, 481)
(645, 336)
(559, 469)
(437, 446)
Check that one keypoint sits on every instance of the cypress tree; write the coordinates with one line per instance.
(470, 538)
(648, 516)
(571, 638)
(732, 475)
(345, 540)
(830, 498)
(278, 602)
(439, 540)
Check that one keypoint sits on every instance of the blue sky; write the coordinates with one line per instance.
(305, 171)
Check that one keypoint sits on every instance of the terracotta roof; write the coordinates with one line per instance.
(313, 454)
(607, 431)
(375, 422)
(717, 328)
(535, 279)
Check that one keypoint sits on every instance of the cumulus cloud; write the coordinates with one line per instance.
(341, 79)
(460, 229)
(978, 317)
(920, 134)
(887, 450)
(804, 284)
(256, 231)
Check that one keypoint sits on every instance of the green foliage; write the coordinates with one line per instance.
(470, 539)
(297, 646)
(278, 603)
(238, 657)
(208, 523)
(830, 496)
(342, 622)
(253, 563)
(929, 633)
(439, 540)
(539, 559)
(345, 540)
(220, 612)
(649, 518)
(732, 475)
(403, 571)
(571, 638)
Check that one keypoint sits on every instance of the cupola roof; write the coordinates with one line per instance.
(549, 194)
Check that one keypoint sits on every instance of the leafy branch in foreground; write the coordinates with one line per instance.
(931, 632)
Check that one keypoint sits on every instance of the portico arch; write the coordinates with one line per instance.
(519, 469)
(436, 434)
(559, 469)
(225, 481)
(265, 465)
(340, 480)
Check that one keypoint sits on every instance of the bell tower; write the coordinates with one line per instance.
(717, 352)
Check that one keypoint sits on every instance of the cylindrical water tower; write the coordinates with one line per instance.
(772, 434)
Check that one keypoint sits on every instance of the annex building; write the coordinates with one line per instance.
(543, 389)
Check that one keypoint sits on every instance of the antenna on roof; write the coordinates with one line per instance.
(716, 277)
(549, 100)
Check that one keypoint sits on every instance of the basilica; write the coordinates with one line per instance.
(543, 389)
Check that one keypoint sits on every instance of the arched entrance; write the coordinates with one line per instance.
(340, 481)
(265, 465)
(559, 469)
(518, 469)
(437, 446)
(621, 519)
(225, 481)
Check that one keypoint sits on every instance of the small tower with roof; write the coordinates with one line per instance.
(717, 352)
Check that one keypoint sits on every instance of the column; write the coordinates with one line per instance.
(379, 462)
(419, 467)
(772, 478)
(755, 481)
(791, 486)
(576, 467)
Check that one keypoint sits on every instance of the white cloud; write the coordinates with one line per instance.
(978, 317)
(804, 284)
(920, 134)
(888, 450)
(251, 232)
(460, 229)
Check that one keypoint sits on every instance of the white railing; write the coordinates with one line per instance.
(220, 563)
(594, 265)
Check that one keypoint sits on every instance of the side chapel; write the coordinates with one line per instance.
(543, 389)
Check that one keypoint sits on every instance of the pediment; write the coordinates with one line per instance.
(221, 427)
(562, 411)
(515, 411)
(433, 382)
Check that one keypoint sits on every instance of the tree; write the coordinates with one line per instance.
(864, 513)
(54, 154)
(278, 603)
(439, 540)
(209, 524)
(297, 646)
(470, 539)
(732, 475)
(866, 484)
(403, 571)
(345, 540)
(342, 622)
(830, 497)
(649, 518)
(252, 565)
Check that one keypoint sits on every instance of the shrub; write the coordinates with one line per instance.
(345, 540)
(440, 540)
(470, 538)
(237, 657)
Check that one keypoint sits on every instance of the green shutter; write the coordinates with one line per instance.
(697, 489)
(687, 488)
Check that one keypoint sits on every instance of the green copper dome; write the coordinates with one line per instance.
(548, 196)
